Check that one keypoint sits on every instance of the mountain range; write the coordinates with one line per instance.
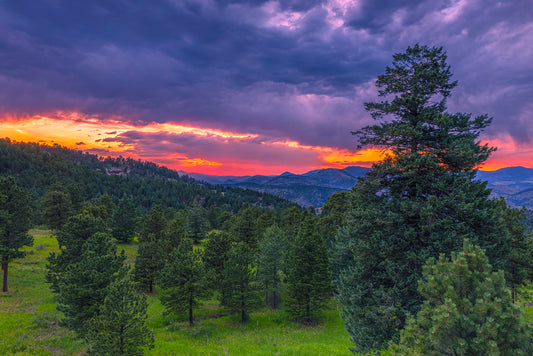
(313, 188)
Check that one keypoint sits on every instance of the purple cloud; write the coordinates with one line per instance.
(292, 69)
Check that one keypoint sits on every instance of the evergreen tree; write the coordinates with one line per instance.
(264, 221)
(149, 261)
(120, 326)
(215, 255)
(74, 233)
(272, 253)
(197, 223)
(83, 285)
(290, 222)
(15, 215)
(332, 215)
(308, 275)
(150, 254)
(240, 290)
(174, 235)
(422, 200)
(467, 310)
(245, 226)
(57, 208)
(124, 220)
(154, 223)
(183, 280)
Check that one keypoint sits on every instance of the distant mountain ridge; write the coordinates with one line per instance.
(313, 188)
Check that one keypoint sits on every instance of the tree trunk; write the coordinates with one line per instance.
(191, 320)
(4, 267)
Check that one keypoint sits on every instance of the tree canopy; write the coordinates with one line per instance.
(420, 201)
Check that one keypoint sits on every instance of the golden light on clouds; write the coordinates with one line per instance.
(253, 154)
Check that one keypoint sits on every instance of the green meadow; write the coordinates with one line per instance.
(29, 321)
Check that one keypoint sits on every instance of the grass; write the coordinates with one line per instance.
(29, 321)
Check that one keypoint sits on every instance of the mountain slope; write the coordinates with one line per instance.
(313, 188)
(37, 167)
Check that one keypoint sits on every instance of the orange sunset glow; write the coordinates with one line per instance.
(96, 136)
(104, 137)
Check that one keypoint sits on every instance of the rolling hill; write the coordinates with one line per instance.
(313, 188)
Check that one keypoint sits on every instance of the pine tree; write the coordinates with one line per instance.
(83, 285)
(150, 254)
(197, 224)
(422, 200)
(154, 223)
(149, 261)
(183, 280)
(467, 310)
(272, 253)
(15, 215)
(215, 255)
(174, 235)
(245, 226)
(308, 275)
(290, 222)
(240, 290)
(57, 208)
(74, 233)
(120, 326)
(124, 220)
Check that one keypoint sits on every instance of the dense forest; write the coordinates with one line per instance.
(40, 167)
(418, 256)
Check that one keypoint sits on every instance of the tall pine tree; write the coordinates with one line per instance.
(272, 253)
(240, 289)
(124, 220)
(15, 215)
(183, 280)
(422, 200)
(83, 285)
(150, 253)
(308, 275)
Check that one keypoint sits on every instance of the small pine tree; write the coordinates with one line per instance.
(308, 275)
(154, 223)
(240, 291)
(150, 254)
(197, 223)
(57, 207)
(15, 214)
(120, 327)
(174, 235)
(124, 220)
(271, 264)
(183, 280)
(467, 310)
(149, 262)
(215, 255)
(72, 236)
(83, 285)
(245, 227)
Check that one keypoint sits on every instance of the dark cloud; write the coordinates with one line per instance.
(293, 69)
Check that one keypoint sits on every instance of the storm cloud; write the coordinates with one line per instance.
(291, 69)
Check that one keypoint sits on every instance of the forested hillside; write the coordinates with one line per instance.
(37, 167)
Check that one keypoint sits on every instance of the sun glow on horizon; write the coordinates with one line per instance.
(109, 137)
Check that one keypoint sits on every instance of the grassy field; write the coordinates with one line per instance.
(29, 322)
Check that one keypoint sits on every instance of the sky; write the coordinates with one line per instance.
(235, 87)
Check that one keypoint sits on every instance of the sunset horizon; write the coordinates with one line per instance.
(245, 88)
